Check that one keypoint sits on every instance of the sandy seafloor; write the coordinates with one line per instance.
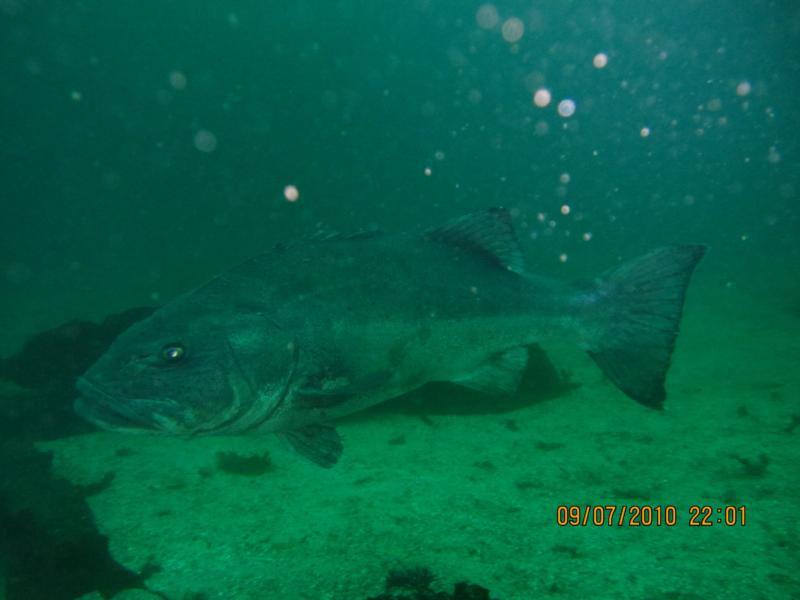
(470, 498)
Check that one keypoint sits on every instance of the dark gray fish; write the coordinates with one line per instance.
(314, 330)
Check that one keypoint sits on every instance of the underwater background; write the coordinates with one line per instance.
(147, 146)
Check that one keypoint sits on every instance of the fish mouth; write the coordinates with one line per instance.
(116, 413)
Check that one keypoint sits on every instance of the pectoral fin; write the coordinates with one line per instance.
(333, 396)
(320, 444)
(500, 375)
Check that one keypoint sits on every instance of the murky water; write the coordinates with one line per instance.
(148, 146)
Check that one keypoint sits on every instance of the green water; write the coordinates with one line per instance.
(147, 146)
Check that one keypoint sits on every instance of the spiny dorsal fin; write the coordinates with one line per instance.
(323, 235)
(489, 232)
(327, 235)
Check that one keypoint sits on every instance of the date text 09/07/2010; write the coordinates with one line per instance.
(646, 515)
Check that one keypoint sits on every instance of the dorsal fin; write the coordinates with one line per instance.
(328, 235)
(323, 235)
(489, 232)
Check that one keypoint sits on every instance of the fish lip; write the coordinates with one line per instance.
(91, 390)
(98, 406)
(95, 393)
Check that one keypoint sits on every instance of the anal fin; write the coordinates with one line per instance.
(501, 374)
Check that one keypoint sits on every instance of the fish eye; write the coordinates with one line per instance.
(173, 352)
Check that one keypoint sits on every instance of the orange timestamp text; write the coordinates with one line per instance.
(648, 515)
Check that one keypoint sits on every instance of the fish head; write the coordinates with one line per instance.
(207, 374)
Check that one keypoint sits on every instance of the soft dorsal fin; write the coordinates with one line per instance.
(489, 232)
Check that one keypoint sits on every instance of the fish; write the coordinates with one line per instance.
(321, 327)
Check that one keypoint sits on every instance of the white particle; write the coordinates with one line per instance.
(542, 97)
(541, 128)
(600, 60)
(291, 193)
(163, 97)
(513, 29)
(587, 236)
(566, 108)
(428, 171)
(744, 88)
(487, 16)
(205, 141)
(564, 178)
(177, 80)
(644, 132)
(565, 209)
(563, 257)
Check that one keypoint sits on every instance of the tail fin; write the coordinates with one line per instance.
(639, 306)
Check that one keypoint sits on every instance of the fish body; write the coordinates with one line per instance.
(314, 330)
